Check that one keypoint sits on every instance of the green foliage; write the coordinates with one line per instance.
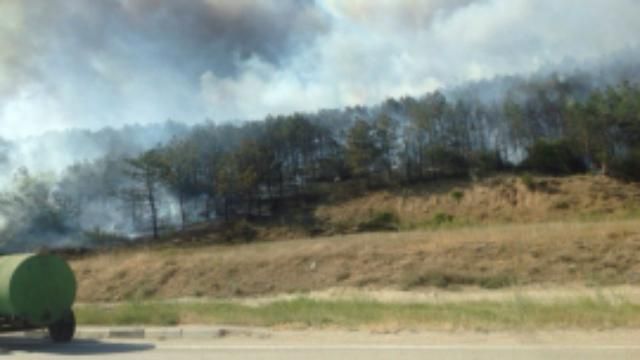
(385, 137)
(445, 280)
(516, 313)
(431, 279)
(607, 124)
(257, 169)
(380, 221)
(128, 314)
(446, 161)
(239, 231)
(627, 167)
(441, 218)
(362, 150)
(514, 112)
(31, 212)
(528, 181)
(487, 161)
(457, 195)
(148, 170)
(553, 158)
(562, 205)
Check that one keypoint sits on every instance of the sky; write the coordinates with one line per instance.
(90, 64)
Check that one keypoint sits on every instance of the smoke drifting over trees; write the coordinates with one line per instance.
(550, 123)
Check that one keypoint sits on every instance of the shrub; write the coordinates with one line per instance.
(441, 218)
(457, 195)
(447, 161)
(380, 221)
(446, 280)
(554, 157)
(528, 181)
(562, 205)
(239, 231)
(627, 167)
(487, 161)
(496, 281)
(430, 279)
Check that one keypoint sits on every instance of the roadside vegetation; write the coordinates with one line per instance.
(519, 313)
(573, 231)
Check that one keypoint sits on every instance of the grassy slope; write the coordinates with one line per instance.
(501, 199)
(580, 230)
(592, 253)
(487, 253)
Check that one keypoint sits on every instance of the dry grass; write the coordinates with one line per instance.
(500, 199)
(590, 253)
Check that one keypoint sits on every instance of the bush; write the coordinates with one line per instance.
(628, 167)
(528, 181)
(457, 195)
(446, 280)
(239, 231)
(441, 218)
(554, 157)
(447, 161)
(489, 161)
(380, 221)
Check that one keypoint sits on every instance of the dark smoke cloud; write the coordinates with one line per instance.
(107, 62)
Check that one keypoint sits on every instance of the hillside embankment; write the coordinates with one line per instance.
(501, 253)
(578, 230)
(500, 232)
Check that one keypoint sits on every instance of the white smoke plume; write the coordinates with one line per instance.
(89, 64)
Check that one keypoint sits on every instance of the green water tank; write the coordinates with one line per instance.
(37, 288)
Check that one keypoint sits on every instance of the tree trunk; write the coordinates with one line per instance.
(183, 216)
(281, 182)
(154, 211)
(420, 160)
(408, 162)
(207, 207)
(134, 215)
(226, 208)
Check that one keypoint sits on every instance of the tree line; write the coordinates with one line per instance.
(251, 169)
(550, 125)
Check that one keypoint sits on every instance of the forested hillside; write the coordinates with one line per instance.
(549, 124)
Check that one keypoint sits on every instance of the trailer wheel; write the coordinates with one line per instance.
(62, 331)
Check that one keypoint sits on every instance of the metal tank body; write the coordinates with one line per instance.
(38, 289)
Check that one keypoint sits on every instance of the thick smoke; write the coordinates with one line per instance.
(377, 49)
(57, 188)
(74, 63)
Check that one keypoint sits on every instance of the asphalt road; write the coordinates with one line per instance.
(335, 346)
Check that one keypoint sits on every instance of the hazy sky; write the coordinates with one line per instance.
(95, 63)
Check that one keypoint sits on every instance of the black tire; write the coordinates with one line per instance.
(62, 331)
